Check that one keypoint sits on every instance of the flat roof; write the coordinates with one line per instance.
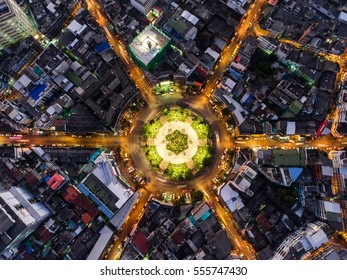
(106, 174)
(343, 16)
(141, 243)
(143, 2)
(105, 235)
(35, 93)
(148, 44)
(103, 46)
(289, 157)
(4, 9)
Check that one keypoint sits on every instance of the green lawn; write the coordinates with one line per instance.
(202, 157)
(178, 172)
(152, 155)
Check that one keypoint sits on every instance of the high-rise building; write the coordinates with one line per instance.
(14, 23)
(149, 47)
(143, 6)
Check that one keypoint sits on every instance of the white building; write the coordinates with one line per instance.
(143, 6)
(230, 197)
(303, 240)
(20, 215)
(34, 88)
(14, 112)
(243, 179)
(50, 115)
(266, 44)
(105, 236)
(14, 23)
(104, 186)
(343, 17)
(328, 210)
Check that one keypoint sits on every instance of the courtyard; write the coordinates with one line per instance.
(177, 143)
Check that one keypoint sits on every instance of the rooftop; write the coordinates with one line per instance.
(4, 9)
(148, 44)
(103, 182)
(141, 242)
(289, 157)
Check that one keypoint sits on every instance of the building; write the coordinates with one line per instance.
(339, 159)
(234, 202)
(340, 121)
(267, 44)
(181, 26)
(343, 17)
(15, 113)
(303, 241)
(14, 23)
(20, 215)
(149, 47)
(329, 211)
(104, 187)
(36, 88)
(143, 6)
(243, 178)
(167, 232)
(104, 239)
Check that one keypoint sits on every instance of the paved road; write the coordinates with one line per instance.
(118, 45)
(109, 141)
(230, 51)
(243, 248)
(128, 225)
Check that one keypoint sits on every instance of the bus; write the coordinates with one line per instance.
(15, 137)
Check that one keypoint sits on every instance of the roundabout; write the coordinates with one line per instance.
(176, 162)
(177, 143)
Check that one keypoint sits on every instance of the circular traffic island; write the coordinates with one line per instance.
(177, 144)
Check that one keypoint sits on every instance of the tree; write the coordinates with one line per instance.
(225, 112)
(197, 196)
(230, 121)
(118, 150)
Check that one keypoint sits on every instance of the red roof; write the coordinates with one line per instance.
(321, 128)
(263, 222)
(60, 121)
(86, 218)
(198, 84)
(55, 181)
(272, 2)
(83, 206)
(43, 234)
(177, 238)
(203, 72)
(141, 243)
(70, 194)
(31, 179)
